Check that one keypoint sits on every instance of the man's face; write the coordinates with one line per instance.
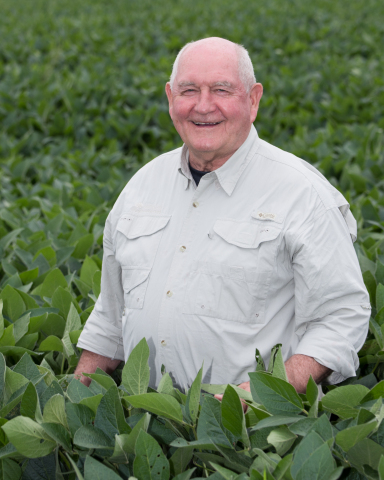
(209, 105)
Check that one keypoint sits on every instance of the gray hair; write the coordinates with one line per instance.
(245, 67)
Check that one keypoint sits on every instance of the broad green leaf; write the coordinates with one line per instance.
(376, 330)
(159, 404)
(28, 437)
(92, 402)
(7, 339)
(83, 246)
(283, 467)
(59, 434)
(52, 281)
(218, 389)
(51, 344)
(110, 416)
(125, 444)
(319, 465)
(366, 452)
(379, 297)
(135, 377)
(282, 439)
(9, 470)
(13, 381)
(1, 318)
(13, 305)
(276, 421)
(376, 392)
(322, 427)
(88, 436)
(312, 391)
(94, 470)
(96, 283)
(224, 472)
(232, 415)
(185, 475)
(26, 367)
(20, 327)
(381, 468)
(29, 402)
(193, 398)
(104, 380)
(75, 468)
(348, 438)
(180, 459)
(77, 391)
(54, 411)
(88, 271)
(150, 461)
(278, 396)
(304, 450)
(2, 378)
(210, 427)
(62, 300)
(78, 416)
(370, 283)
(342, 400)
(277, 363)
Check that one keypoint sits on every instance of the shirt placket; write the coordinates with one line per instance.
(175, 286)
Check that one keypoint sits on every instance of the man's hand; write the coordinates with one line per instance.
(299, 368)
(245, 386)
(90, 361)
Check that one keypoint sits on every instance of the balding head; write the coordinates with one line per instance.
(220, 45)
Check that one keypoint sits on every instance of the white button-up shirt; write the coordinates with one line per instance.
(259, 253)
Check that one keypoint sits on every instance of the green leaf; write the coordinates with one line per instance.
(1, 318)
(51, 344)
(62, 300)
(13, 382)
(185, 475)
(232, 415)
(59, 434)
(104, 380)
(260, 367)
(88, 436)
(28, 437)
(180, 459)
(27, 368)
(224, 472)
(96, 283)
(150, 461)
(370, 283)
(29, 402)
(9, 470)
(366, 452)
(8, 339)
(88, 271)
(77, 391)
(2, 377)
(348, 438)
(278, 396)
(312, 391)
(374, 327)
(307, 447)
(78, 416)
(376, 392)
(13, 305)
(283, 467)
(135, 376)
(52, 281)
(20, 327)
(381, 468)
(94, 470)
(342, 400)
(210, 427)
(322, 427)
(83, 246)
(282, 439)
(125, 444)
(275, 421)
(159, 404)
(277, 363)
(110, 416)
(379, 297)
(193, 398)
(92, 402)
(54, 411)
(319, 465)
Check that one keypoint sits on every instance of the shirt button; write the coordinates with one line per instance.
(182, 248)
(195, 204)
(163, 343)
(169, 293)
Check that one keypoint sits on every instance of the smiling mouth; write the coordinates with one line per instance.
(206, 124)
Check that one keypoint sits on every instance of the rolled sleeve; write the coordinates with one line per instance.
(102, 333)
(332, 307)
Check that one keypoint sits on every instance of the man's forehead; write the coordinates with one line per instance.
(190, 83)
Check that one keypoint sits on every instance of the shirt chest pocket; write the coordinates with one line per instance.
(232, 281)
(137, 242)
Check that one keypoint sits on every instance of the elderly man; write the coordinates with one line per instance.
(226, 245)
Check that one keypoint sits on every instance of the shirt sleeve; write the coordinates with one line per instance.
(102, 333)
(332, 307)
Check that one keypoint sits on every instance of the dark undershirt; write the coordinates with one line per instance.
(196, 174)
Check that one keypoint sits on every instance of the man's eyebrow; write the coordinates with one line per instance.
(222, 84)
(186, 84)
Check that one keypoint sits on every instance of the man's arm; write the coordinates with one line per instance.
(90, 361)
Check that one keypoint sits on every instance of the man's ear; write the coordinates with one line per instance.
(168, 91)
(255, 95)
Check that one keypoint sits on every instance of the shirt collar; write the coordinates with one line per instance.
(229, 173)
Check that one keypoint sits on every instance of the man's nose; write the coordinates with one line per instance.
(205, 103)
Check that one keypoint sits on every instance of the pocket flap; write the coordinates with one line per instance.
(138, 226)
(133, 277)
(245, 234)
